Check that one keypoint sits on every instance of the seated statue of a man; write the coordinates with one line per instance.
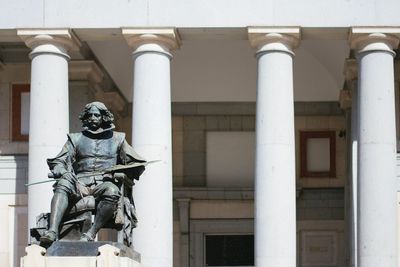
(80, 164)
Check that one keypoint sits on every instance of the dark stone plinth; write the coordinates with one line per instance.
(87, 249)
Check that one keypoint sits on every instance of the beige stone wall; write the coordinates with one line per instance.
(222, 209)
(189, 145)
(177, 150)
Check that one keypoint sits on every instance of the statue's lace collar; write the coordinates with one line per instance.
(100, 130)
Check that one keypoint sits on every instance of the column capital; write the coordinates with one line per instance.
(56, 41)
(367, 39)
(160, 40)
(265, 39)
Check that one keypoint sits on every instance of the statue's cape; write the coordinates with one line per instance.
(130, 152)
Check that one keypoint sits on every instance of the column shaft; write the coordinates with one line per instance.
(49, 124)
(49, 111)
(151, 137)
(377, 201)
(275, 185)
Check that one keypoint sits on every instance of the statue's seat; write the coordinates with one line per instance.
(79, 218)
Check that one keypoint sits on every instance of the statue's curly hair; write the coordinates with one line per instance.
(107, 116)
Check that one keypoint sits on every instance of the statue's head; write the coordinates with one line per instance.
(96, 116)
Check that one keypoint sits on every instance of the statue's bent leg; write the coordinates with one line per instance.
(108, 195)
(59, 204)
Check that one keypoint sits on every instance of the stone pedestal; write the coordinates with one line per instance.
(82, 254)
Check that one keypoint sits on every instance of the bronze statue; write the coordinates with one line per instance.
(85, 168)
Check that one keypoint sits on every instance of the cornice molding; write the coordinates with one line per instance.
(58, 37)
(274, 38)
(167, 37)
(365, 39)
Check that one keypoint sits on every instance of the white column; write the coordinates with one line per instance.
(151, 138)
(48, 109)
(377, 200)
(275, 183)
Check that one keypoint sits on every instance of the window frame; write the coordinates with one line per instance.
(199, 228)
(16, 93)
(304, 136)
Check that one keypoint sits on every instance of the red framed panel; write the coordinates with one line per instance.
(17, 90)
(304, 136)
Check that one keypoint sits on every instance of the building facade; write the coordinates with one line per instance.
(275, 123)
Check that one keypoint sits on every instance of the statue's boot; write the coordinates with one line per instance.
(48, 238)
(105, 211)
(59, 205)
